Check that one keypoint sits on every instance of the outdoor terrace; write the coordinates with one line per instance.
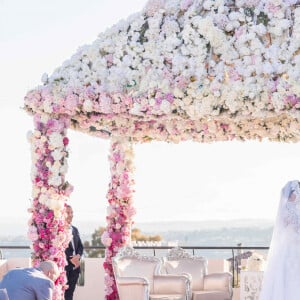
(91, 283)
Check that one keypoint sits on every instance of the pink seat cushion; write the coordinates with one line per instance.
(167, 297)
(210, 295)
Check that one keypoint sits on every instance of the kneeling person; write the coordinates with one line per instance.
(31, 283)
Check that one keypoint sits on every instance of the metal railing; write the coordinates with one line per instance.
(235, 260)
(235, 265)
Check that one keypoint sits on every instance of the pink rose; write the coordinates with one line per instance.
(65, 141)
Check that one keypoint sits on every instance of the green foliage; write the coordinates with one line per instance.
(262, 18)
(136, 235)
(96, 242)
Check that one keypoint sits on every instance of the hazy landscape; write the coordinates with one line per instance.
(250, 233)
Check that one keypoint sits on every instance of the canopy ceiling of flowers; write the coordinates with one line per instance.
(199, 70)
(180, 70)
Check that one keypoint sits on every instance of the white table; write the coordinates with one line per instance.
(250, 285)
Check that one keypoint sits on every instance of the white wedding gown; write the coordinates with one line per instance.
(282, 276)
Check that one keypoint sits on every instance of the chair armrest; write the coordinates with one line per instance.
(172, 284)
(124, 281)
(188, 275)
(219, 282)
(133, 288)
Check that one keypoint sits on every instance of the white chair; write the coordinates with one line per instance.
(215, 286)
(138, 278)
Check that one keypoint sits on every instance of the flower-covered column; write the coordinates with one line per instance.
(120, 210)
(47, 229)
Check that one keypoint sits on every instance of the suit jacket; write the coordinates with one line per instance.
(70, 250)
(27, 284)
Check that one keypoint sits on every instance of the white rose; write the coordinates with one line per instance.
(152, 102)
(55, 167)
(171, 6)
(55, 141)
(267, 68)
(57, 154)
(88, 105)
(244, 50)
(178, 93)
(47, 105)
(43, 139)
(43, 198)
(35, 192)
(136, 109)
(48, 164)
(165, 107)
(276, 30)
(207, 4)
(277, 101)
(55, 180)
(37, 134)
(260, 29)
(229, 27)
(44, 118)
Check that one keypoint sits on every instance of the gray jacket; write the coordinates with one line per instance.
(27, 284)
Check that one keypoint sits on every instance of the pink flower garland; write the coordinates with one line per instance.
(47, 229)
(120, 211)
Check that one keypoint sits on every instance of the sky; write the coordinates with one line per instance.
(186, 181)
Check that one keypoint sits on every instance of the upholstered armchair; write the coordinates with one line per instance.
(215, 286)
(138, 278)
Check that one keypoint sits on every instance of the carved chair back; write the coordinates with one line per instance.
(129, 263)
(178, 261)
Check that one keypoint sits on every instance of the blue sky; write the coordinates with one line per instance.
(186, 181)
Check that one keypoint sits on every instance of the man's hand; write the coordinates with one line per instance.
(75, 260)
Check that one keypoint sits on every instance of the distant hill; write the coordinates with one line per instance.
(203, 225)
(183, 233)
(13, 228)
(251, 233)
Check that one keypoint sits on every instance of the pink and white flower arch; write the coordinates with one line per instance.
(179, 70)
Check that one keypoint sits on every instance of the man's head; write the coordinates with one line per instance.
(69, 214)
(50, 269)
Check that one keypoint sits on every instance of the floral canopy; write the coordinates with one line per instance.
(202, 70)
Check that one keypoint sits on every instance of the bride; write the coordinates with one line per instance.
(282, 276)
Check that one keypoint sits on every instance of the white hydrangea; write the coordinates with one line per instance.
(172, 6)
(154, 6)
(55, 141)
(165, 107)
(88, 105)
(55, 180)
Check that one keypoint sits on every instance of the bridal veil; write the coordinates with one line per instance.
(282, 276)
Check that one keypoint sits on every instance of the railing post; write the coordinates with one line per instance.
(233, 263)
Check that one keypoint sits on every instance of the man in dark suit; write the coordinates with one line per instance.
(73, 255)
(30, 283)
